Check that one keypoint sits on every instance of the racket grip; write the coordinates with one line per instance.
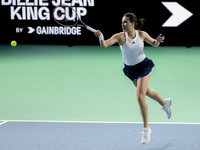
(91, 29)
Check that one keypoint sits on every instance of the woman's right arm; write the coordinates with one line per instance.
(106, 43)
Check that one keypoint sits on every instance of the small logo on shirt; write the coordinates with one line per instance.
(133, 42)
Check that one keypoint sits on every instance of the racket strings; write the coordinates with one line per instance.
(66, 16)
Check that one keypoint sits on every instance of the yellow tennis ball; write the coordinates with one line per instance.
(13, 43)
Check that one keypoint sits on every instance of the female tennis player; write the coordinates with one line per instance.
(137, 67)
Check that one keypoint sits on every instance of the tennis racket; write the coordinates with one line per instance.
(67, 16)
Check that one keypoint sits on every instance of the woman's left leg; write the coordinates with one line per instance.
(142, 85)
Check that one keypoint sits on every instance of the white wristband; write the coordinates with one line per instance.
(101, 38)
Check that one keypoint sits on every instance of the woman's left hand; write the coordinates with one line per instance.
(160, 38)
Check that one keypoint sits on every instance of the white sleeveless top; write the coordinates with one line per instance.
(132, 50)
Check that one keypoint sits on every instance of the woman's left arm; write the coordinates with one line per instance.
(154, 42)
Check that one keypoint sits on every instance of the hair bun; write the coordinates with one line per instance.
(140, 23)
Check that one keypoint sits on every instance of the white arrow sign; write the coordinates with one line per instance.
(31, 30)
(179, 14)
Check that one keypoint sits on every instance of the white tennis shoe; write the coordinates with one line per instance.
(146, 135)
(167, 107)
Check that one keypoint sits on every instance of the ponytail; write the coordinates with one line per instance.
(140, 23)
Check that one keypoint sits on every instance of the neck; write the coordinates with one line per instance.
(132, 34)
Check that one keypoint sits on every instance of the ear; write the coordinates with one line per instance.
(133, 23)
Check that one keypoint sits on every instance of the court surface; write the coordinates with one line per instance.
(17, 135)
(72, 97)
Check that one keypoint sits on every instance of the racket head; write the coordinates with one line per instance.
(66, 16)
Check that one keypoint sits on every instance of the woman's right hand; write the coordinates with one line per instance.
(98, 34)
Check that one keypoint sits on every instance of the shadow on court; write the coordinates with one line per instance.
(19, 135)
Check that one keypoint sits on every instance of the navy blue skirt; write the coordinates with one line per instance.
(139, 70)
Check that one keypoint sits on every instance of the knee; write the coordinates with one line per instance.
(140, 97)
(149, 92)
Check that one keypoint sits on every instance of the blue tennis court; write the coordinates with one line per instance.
(39, 135)
(89, 103)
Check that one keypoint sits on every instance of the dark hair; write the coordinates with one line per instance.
(133, 18)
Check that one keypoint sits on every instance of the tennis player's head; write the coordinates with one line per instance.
(130, 21)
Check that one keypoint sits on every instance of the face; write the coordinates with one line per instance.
(126, 24)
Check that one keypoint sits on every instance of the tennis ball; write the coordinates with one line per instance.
(13, 43)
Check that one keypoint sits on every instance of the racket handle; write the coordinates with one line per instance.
(91, 29)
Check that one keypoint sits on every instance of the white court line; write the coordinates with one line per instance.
(103, 122)
(3, 122)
